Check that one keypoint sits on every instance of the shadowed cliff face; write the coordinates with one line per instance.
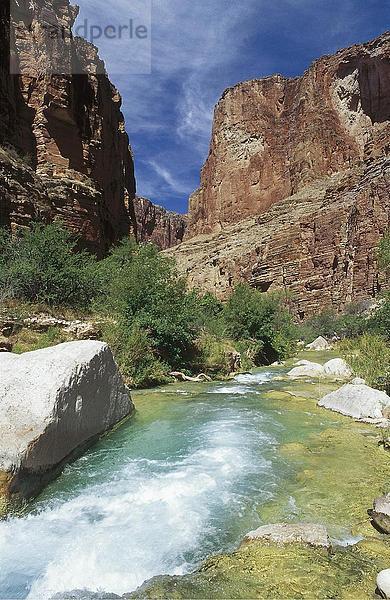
(272, 137)
(155, 224)
(70, 129)
(295, 191)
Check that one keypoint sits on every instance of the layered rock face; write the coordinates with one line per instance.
(155, 224)
(54, 403)
(295, 191)
(69, 127)
(272, 137)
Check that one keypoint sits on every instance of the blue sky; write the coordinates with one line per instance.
(201, 47)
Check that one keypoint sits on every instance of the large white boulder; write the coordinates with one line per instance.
(383, 583)
(306, 369)
(319, 344)
(357, 401)
(337, 368)
(53, 403)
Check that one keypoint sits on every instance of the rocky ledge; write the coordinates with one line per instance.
(54, 403)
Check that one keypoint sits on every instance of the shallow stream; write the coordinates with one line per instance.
(187, 477)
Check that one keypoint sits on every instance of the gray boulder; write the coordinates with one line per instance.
(337, 368)
(357, 401)
(380, 514)
(383, 583)
(319, 344)
(53, 404)
(306, 369)
(288, 533)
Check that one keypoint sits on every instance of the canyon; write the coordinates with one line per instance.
(294, 194)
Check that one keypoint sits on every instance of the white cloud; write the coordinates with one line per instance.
(168, 178)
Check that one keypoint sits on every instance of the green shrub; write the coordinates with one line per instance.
(380, 321)
(213, 354)
(384, 252)
(42, 265)
(329, 324)
(263, 319)
(154, 310)
(369, 357)
(135, 354)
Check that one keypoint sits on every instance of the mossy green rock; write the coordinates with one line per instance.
(267, 570)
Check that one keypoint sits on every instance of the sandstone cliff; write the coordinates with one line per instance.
(295, 191)
(69, 127)
(158, 225)
(272, 137)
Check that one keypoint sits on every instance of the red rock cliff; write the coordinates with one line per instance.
(70, 128)
(272, 137)
(296, 190)
(155, 224)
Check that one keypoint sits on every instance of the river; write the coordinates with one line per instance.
(183, 479)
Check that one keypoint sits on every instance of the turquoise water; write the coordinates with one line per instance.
(180, 481)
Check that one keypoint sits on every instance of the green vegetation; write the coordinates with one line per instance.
(150, 319)
(41, 265)
(156, 325)
(369, 357)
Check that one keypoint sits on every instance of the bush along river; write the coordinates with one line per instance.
(196, 469)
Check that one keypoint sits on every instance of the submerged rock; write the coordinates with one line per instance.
(319, 344)
(380, 515)
(357, 401)
(288, 533)
(264, 569)
(53, 404)
(383, 583)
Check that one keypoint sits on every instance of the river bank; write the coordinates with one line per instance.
(198, 467)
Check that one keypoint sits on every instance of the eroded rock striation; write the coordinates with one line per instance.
(53, 404)
(155, 224)
(73, 159)
(295, 192)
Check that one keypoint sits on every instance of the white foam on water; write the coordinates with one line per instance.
(255, 378)
(240, 390)
(147, 518)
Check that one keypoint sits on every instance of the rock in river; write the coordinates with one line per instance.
(357, 401)
(288, 533)
(383, 583)
(305, 368)
(381, 513)
(337, 368)
(53, 404)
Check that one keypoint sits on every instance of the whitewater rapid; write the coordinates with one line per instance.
(156, 497)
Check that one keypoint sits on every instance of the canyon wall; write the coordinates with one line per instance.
(155, 224)
(64, 149)
(272, 137)
(295, 192)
